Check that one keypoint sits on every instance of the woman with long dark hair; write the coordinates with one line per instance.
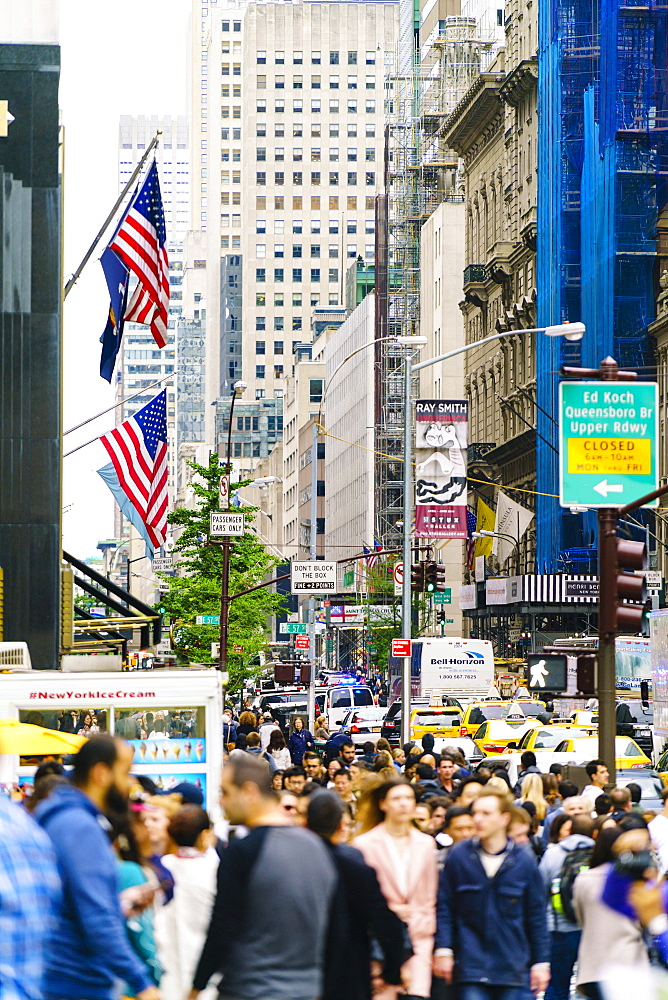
(405, 862)
(279, 750)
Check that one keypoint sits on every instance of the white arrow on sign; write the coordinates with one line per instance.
(605, 487)
(538, 674)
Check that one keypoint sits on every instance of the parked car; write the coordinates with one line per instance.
(364, 724)
(439, 720)
(650, 785)
(494, 736)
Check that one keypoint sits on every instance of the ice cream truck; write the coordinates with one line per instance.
(172, 718)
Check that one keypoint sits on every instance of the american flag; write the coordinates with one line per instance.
(138, 450)
(471, 522)
(371, 562)
(140, 243)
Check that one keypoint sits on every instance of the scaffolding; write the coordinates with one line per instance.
(602, 177)
(420, 173)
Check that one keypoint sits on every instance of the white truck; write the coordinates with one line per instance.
(448, 666)
(172, 718)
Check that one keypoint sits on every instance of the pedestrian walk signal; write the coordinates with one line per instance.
(546, 672)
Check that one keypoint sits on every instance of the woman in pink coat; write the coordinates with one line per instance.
(405, 862)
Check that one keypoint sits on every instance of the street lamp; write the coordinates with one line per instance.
(237, 389)
(571, 331)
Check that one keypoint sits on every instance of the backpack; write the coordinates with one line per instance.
(575, 861)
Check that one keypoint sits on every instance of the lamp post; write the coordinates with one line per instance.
(571, 331)
(237, 389)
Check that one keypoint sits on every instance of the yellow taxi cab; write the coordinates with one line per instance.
(495, 735)
(662, 767)
(549, 737)
(488, 711)
(584, 718)
(439, 720)
(627, 752)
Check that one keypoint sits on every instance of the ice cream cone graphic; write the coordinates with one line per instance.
(165, 750)
(177, 751)
(154, 751)
(199, 750)
(187, 746)
(142, 750)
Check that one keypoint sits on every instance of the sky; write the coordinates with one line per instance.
(129, 58)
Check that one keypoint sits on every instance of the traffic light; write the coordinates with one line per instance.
(430, 577)
(66, 607)
(418, 577)
(629, 586)
(441, 577)
(586, 674)
(442, 616)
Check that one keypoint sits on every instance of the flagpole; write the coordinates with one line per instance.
(91, 250)
(119, 403)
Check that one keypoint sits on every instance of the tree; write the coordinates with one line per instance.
(197, 591)
(382, 629)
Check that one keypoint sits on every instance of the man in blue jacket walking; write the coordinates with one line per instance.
(491, 930)
(87, 954)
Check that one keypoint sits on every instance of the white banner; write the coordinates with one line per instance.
(512, 520)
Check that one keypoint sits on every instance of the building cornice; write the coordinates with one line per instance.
(475, 113)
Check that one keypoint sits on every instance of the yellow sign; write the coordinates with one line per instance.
(6, 118)
(610, 456)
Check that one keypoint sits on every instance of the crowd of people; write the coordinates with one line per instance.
(356, 873)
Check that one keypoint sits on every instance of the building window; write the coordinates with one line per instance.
(370, 178)
(279, 203)
(315, 390)
(278, 347)
(261, 107)
(352, 59)
(316, 130)
(333, 274)
(280, 57)
(279, 323)
(370, 226)
(315, 225)
(352, 131)
(279, 107)
(279, 226)
(352, 177)
(371, 58)
(333, 155)
(279, 178)
(315, 82)
(333, 177)
(315, 274)
(369, 251)
(297, 299)
(297, 57)
(237, 445)
(370, 203)
(352, 83)
(370, 83)
(351, 250)
(333, 225)
(260, 347)
(315, 250)
(298, 83)
(261, 57)
(279, 250)
(333, 251)
(315, 57)
(333, 107)
(297, 177)
(279, 274)
(352, 107)
(315, 177)
(333, 299)
(296, 322)
(370, 131)
(260, 322)
(279, 131)
(297, 275)
(296, 249)
(334, 203)
(279, 154)
(236, 112)
(260, 250)
(333, 58)
(333, 131)
(261, 178)
(261, 202)
(316, 107)
(370, 155)
(315, 155)
(370, 107)
(351, 226)
(259, 371)
(279, 82)
(297, 201)
(279, 299)
(261, 153)
(315, 204)
(333, 83)
(260, 274)
(236, 177)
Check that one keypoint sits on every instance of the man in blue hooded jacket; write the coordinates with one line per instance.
(88, 955)
(491, 929)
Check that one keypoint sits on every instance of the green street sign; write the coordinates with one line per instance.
(208, 620)
(372, 650)
(292, 628)
(442, 596)
(608, 434)
(349, 578)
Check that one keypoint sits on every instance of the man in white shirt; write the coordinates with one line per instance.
(599, 777)
(658, 831)
(266, 728)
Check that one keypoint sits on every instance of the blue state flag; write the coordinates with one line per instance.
(128, 509)
(116, 275)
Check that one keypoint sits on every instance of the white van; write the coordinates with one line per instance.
(337, 700)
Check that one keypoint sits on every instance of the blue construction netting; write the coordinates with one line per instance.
(602, 172)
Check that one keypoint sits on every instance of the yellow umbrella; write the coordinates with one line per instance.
(26, 740)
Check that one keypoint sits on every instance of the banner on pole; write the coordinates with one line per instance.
(441, 439)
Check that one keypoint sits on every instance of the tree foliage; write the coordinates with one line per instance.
(381, 630)
(198, 590)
